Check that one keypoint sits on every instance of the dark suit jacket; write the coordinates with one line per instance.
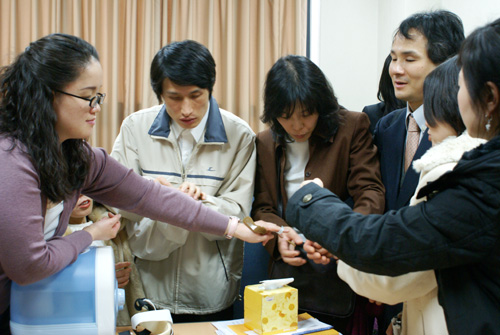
(375, 112)
(347, 164)
(389, 137)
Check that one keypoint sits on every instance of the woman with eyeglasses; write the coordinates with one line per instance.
(456, 231)
(49, 99)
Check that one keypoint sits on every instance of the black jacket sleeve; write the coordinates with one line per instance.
(454, 227)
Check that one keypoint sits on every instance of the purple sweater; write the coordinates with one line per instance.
(25, 257)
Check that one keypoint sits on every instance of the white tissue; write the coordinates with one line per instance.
(272, 284)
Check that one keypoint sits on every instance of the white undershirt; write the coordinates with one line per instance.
(297, 156)
(187, 138)
(52, 220)
(186, 144)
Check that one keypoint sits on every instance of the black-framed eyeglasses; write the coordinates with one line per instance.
(98, 99)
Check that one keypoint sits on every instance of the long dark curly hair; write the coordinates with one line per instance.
(27, 115)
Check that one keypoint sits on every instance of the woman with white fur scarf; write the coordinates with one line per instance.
(422, 313)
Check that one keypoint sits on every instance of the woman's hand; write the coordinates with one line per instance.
(286, 246)
(105, 229)
(244, 233)
(122, 273)
(317, 253)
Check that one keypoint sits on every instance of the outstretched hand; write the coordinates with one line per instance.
(244, 233)
(105, 229)
(317, 253)
(286, 246)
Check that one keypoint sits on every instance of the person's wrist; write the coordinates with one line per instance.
(90, 230)
(231, 227)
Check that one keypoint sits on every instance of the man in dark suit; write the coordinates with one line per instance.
(421, 43)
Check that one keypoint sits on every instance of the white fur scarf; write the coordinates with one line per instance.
(450, 150)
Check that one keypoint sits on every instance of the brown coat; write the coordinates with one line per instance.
(347, 164)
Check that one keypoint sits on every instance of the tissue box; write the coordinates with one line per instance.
(271, 311)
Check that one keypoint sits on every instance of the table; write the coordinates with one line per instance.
(202, 328)
(195, 328)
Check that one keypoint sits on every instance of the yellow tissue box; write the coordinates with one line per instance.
(271, 311)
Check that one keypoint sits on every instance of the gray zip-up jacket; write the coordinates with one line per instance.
(190, 273)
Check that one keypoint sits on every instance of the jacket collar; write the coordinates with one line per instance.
(321, 135)
(450, 150)
(215, 131)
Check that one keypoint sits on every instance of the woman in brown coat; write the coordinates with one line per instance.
(312, 136)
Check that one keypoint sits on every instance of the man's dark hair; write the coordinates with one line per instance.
(443, 30)
(185, 63)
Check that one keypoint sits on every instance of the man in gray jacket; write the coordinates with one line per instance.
(190, 143)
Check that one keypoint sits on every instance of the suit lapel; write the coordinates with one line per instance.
(392, 155)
